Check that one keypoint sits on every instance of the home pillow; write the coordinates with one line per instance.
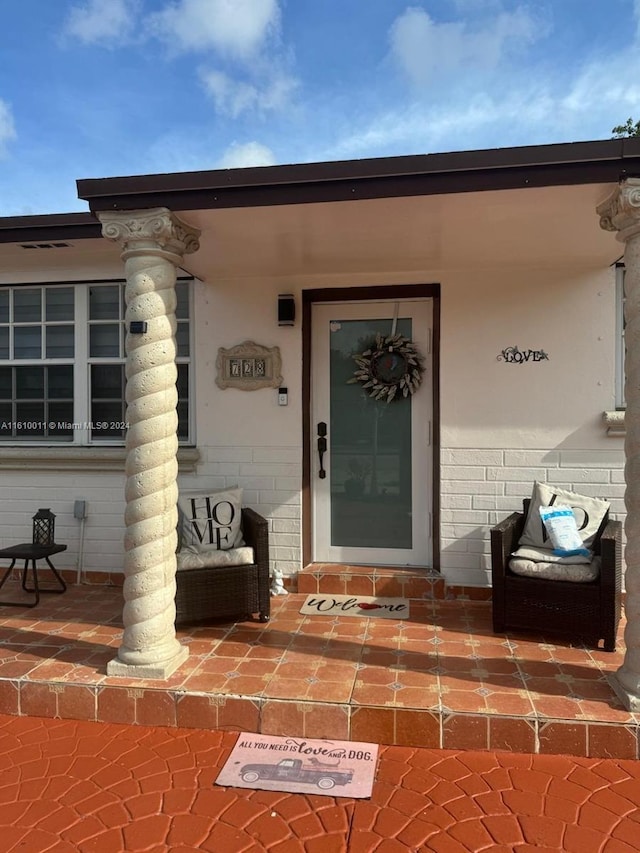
(589, 514)
(210, 520)
(558, 571)
(214, 559)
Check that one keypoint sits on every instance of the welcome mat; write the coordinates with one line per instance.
(360, 605)
(335, 768)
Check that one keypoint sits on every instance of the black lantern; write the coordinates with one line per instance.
(44, 527)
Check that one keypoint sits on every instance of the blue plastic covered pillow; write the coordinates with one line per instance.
(562, 529)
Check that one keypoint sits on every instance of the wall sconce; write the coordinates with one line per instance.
(286, 309)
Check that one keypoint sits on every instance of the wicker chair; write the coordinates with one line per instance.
(583, 612)
(229, 591)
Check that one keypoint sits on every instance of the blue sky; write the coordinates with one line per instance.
(96, 88)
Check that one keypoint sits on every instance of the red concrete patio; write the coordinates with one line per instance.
(81, 787)
(440, 679)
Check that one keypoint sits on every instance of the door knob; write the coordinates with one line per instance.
(322, 447)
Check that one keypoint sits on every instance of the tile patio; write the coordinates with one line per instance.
(440, 679)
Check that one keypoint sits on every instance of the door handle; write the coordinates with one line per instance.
(322, 447)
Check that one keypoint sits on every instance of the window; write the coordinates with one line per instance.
(62, 363)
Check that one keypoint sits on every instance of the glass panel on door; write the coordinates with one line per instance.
(372, 490)
(370, 462)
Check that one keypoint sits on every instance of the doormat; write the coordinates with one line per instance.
(336, 768)
(361, 605)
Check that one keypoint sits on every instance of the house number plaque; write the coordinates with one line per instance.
(249, 366)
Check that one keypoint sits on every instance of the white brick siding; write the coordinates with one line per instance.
(480, 487)
(271, 485)
(23, 492)
(270, 478)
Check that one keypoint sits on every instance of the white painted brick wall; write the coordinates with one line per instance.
(480, 487)
(270, 478)
(23, 492)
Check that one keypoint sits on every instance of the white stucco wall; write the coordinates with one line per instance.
(505, 425)
(244, 437)
(502, 425)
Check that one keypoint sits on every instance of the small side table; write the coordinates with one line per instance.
(31, 553)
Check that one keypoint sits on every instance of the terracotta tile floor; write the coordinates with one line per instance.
(80, 787)
(439, 679)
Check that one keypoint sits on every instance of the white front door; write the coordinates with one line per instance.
(372, 489)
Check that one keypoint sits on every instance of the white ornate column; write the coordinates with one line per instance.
(621, 213)
(153, 244)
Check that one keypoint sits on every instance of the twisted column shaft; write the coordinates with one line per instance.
(154, 243)
(621, 213)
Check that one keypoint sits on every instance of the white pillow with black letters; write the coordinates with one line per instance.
(588, 512)
(210, 520)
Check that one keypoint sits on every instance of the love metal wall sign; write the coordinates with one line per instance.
(513, 355)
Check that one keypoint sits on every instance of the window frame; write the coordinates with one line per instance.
(82, 362)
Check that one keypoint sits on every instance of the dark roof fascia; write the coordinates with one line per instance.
(54, 227)
(429, 174)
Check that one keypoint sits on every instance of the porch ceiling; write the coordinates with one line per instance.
(538, 227)
(392, 238)
(41, 260)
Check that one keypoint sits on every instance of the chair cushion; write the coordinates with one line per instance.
(213, 559)
(546, 555)
(210, 520)
(589, 514)
(556, 571)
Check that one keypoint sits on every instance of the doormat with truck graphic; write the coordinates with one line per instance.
(298, 765)
(356, 605)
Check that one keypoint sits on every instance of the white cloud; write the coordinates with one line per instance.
(400, 129)
(249, 154)
(467, 7)
(243, 31)
(636, 16)
(235, 28)
(7, 127)
(602, 86)
(97, 21)
(424, 49)
(233, 97)
(536, 110)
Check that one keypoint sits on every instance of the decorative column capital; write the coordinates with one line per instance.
(621, 210)
(157, 231)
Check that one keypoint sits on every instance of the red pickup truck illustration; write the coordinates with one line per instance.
(294, 770)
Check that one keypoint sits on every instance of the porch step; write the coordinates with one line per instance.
(439, 679)
(390, 582)
(387, 581)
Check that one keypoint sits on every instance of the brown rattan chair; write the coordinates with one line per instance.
(229, 591)
(582, 612)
